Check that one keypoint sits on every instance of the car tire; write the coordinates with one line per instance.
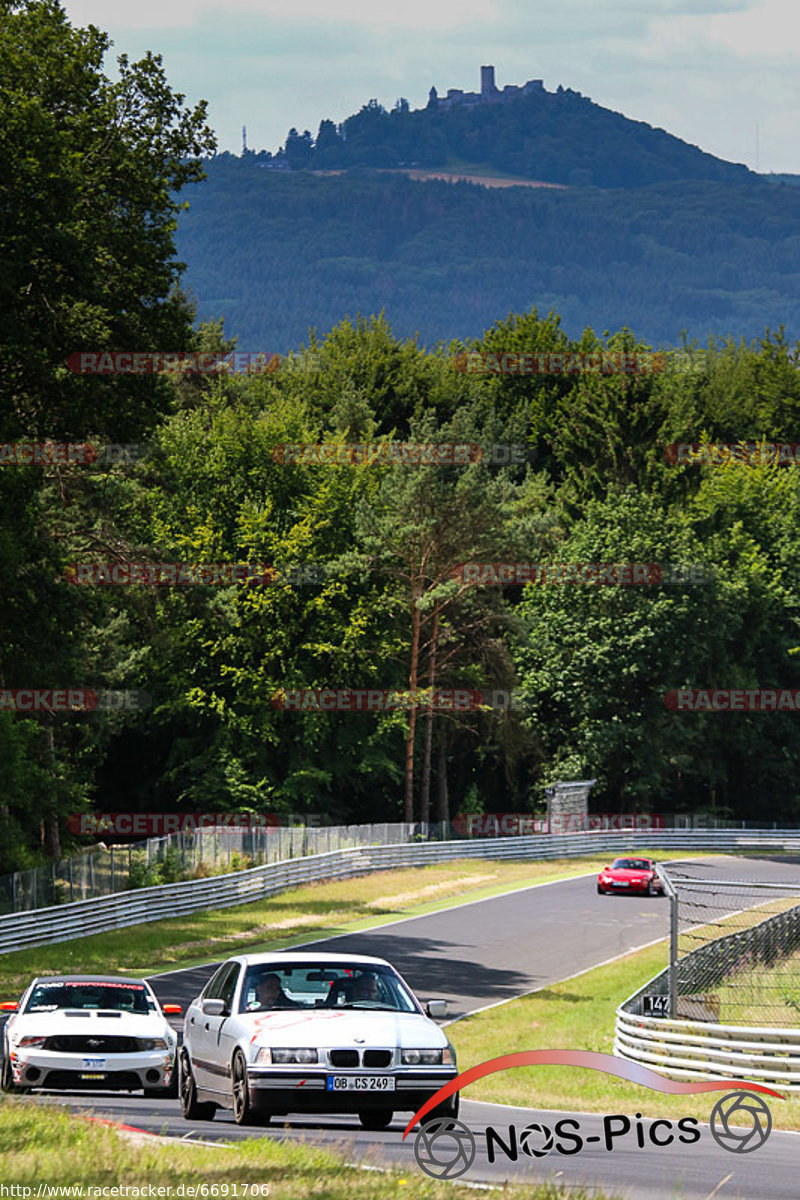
(243, 1111)
(7, 1084)
(191, 1107)
(652, 890)
(376, 1118)
(450, 1108)
(600, 891)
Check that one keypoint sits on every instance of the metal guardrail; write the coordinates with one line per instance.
(65, 922)
(684, 1049)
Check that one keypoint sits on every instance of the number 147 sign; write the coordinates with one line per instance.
(655, 1006)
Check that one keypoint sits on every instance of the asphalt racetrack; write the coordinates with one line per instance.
(484, 953)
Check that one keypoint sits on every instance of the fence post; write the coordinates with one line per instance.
(670, 891)
(113, 881)
(71, 888)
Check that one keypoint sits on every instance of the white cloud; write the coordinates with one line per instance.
(185, 14)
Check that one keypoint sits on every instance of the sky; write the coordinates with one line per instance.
(720, 74)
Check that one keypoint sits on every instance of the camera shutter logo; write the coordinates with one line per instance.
(741, 1108)
(444, 1148)
(536, 1140)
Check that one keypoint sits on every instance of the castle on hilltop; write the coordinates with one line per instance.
(489, 93)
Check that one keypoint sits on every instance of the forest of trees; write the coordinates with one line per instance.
(87, 232)
(278, 253)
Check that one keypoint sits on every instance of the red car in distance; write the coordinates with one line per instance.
(630, 875)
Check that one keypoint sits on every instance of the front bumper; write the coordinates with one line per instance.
(293, 1091)
(77, 1072)
(631, 886)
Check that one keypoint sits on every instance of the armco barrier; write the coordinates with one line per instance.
(696, 1050)
(67, 921)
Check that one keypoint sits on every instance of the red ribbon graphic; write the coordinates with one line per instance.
(621, 1067)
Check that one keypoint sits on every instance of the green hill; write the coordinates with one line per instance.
(278, 252)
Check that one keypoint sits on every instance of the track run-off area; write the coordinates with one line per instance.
(481, 954)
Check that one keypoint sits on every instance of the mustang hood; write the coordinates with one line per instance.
(87, 1024)
(318, 1028)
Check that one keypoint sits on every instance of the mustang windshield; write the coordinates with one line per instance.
(116, 997)
(270, 987)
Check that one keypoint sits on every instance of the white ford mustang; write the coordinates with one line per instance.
(73, 1032)
(324, 1033)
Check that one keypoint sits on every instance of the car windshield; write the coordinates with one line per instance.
(111, 997)
(269, 987)
(631, 864)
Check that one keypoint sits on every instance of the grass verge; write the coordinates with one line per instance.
(44, 1145)
(302, 914)
(578, 1015)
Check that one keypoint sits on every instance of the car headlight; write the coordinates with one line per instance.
(293, 1054)
(152, 1043)
(428, 1058)
(31, 1041)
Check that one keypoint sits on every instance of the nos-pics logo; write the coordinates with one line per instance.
(446, 1148)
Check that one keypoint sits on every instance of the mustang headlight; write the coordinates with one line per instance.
(152, 1043)
(428, 1058)
(293, 1054)
(31, 1041)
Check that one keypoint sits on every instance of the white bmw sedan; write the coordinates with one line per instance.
(322, 1033)
(72, 1032)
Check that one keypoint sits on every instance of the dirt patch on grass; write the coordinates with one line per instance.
(432, 889)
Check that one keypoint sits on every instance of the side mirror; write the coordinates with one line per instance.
(9, 1006)
(171, 1010)
(213, 1008)
(436, 1009)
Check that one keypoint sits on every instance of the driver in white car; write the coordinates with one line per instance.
(270, 994)
(365, 988)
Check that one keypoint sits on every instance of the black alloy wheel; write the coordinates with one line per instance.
(243, 1111)
(191, 1107)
